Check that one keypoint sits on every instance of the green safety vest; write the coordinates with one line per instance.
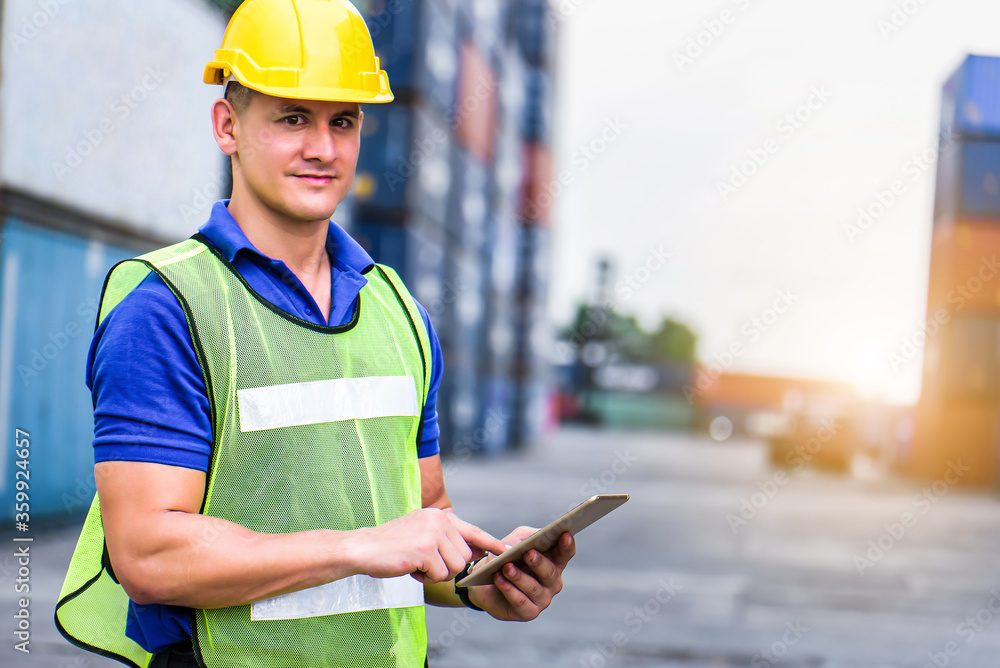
(314, 428)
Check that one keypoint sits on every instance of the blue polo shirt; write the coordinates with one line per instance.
(150, 400)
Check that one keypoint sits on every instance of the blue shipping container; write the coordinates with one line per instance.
(536, 124)
(482, 22)
(404, 163)
(971, 103)
(464, 316)
(532, 27)
(470, 202)
(501, 339)
(384, 168)
(511, 69)
(496, 421)
(968, 180)
(432, 150)
(416, 42)
(533, 257)
(503, 256)
(458, 409)
(416, 253)
(533, 341)
(51, 287)
(532, 412)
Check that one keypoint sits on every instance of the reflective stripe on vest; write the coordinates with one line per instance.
(353, 594)
(295, 404)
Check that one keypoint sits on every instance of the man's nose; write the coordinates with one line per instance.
(320, 144)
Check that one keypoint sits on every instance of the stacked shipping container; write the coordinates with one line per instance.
(959, 414)
(532, 29)
(441, 195)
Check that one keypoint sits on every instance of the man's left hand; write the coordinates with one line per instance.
(518, 594)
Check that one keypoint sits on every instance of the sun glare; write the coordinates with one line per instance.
(866, 365)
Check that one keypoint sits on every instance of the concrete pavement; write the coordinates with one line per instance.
(717, 561)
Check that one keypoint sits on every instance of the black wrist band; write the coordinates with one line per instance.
(463, 592)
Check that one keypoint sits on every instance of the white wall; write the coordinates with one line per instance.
(102, 108)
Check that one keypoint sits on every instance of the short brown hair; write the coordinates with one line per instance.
(239, 96)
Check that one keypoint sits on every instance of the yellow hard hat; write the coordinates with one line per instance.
(301, 49)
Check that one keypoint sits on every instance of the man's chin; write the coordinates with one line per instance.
(318, 209)
(319, 214)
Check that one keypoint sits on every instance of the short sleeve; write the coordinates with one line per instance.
(429, 442)
(150, 399)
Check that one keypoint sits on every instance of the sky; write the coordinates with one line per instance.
(740, 138)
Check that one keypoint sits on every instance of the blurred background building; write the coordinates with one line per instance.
(451, 190)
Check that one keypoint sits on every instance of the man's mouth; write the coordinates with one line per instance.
(315, 179)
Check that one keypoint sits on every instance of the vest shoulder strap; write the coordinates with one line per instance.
(127, 274)
(416, 321)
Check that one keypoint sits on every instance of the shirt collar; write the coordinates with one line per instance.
(226, 235)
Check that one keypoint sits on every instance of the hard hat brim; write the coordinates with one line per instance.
(217, 71)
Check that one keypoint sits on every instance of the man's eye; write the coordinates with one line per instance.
(294, 120)
(343, 122)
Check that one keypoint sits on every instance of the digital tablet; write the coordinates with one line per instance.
(545, 538)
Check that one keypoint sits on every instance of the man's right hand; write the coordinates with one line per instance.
(431, 544)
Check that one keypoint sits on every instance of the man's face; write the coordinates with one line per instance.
(297, 157)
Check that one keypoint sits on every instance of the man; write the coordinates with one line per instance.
(269, 486)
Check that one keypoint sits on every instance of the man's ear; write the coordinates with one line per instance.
(225, 126)
(361, 117)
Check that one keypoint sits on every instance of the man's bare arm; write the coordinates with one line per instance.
(163, 551)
